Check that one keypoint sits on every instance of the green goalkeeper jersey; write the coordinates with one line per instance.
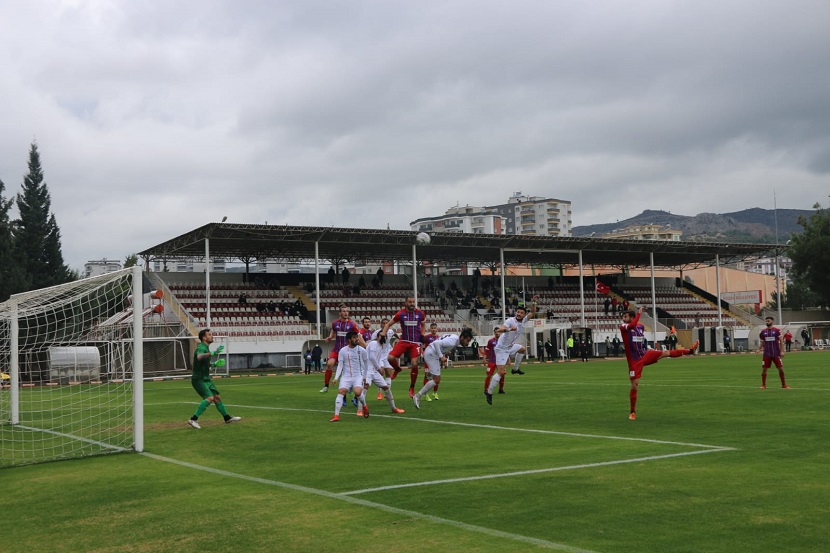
(201, 369)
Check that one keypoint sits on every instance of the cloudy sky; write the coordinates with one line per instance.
(154, 118)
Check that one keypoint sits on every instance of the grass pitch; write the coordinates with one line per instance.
(712, 464)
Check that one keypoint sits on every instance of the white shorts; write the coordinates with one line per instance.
(504, 355)
(376, 379)
(349, 382)
(433, 363)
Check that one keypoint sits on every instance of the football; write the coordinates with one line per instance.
(422, 239)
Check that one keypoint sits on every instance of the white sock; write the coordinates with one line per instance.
(362, 398)
(338, 404)
(518, 362)
(427, 387)
(494, 382)
(389, 382)
(390, 399)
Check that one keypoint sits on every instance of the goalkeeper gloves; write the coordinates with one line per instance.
(220, 363)
(218, 350)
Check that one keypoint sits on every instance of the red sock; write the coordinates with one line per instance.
(679, 352)
(501, 383)
(413, 376)
(764, 378)
(632, 396)
(395, 373)
(435, 390)
(328, 377)
(781, 374)
(487, 382)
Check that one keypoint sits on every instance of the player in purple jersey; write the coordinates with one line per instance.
(339, 329)
(366, 332)
(771, 346)
(413, 326)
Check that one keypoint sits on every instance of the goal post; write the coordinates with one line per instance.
(74, 355)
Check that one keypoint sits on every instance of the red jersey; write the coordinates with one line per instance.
(771, 338)
(411, 322)
(633, 337)
(490, 350)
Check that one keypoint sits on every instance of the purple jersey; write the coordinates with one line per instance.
(341, 328)
(430, 338)
(367, 334)
(411, 322)
(771, 338)
(490, 350)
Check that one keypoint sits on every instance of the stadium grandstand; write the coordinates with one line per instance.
(268, 320)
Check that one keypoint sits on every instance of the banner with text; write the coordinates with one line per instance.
(749, 296)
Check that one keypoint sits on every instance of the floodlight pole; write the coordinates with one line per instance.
(778, 287)
(581, 292)
(653, 301)
(415, 273)
(503, 294)
(317, 282)
(720, 309)
(207, 282)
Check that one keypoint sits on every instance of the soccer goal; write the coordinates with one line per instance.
(74, 357)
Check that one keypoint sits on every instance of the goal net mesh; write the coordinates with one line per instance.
(74, 349)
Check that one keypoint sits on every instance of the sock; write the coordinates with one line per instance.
(764, 378)
(390, 399)
(781, 374)
(395, 365)
(389, 382)
(328, 377)
(221, 407)
(413, 376)
(427, 387)
(679, 352)
(487, 382)
(201, 409)
(362, 398)
(501, 382)
(518, 362)
(632, 396)
(493, 383)
(435, 390)
(338, 404)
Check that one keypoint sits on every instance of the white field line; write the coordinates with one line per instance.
(371, 504)
(485, 426)
(536, 471)
(73, 437)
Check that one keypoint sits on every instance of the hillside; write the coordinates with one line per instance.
(749, 225)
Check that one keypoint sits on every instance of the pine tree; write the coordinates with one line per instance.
(37, 236)
(11, 276)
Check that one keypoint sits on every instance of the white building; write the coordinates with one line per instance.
(97, 267)
(535, 215)
(467, 219)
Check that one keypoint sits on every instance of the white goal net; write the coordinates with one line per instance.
(74, 360)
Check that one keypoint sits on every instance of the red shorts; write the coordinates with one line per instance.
(334, 354)
(770, 360)
(635, 368)
(491, 369)
(402, 347)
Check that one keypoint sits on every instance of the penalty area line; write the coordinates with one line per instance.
(371, 504)
(535, 471)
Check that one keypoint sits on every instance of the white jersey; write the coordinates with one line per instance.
(352, 362)
(514, 331)
(442, 346)
(377, 353)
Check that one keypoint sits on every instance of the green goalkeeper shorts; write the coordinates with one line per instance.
(205, 388)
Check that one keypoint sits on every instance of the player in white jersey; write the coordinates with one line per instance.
(378, 352)
(386, 369)
(437, 352)
(509, 346)
(352, 365)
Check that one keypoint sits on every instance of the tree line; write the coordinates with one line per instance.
(30, 245)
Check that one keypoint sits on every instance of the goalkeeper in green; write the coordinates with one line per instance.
(203, 383)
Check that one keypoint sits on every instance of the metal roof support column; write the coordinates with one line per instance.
(717, 286)
(503, 297)
(415, 274)
(581, 292)
(653, 302)
(317, 283)
(207, 283)
(778, 286)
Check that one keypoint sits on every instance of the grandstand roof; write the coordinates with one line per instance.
(233, 241)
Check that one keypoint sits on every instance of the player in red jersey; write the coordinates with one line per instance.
(490, 361)
(427, 339)
(771, 346)
(339, 329)
(633, 338)
(366, 332)
(413, 326)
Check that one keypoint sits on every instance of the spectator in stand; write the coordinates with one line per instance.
(361, 282)
(272, 307)
(606, 304)
(788, 340)
(344, 276)
(613, 305)
(260, 307)
(380, 274)
(243, 298)
(316, 355)
(331, 274)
